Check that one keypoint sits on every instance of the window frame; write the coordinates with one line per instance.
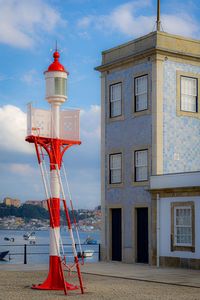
(180, 112)
(110, 102)
(176, 243)
(147, 92)
(146, 180)
(110, 170)
(197, 82)
(182, 246)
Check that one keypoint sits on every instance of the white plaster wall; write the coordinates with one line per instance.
(165, 227)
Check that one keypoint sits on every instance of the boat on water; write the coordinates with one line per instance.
(32, 242)
(90, 241)
(86, 228)
(3, 254)
(86, 253)
(9, 239)
(29, 236)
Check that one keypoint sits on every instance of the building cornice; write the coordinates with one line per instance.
(147, 46)
(177, 190)
(148, 53)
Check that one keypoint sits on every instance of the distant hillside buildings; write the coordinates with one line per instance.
(9, 201)
(42, 203)
(17, 203)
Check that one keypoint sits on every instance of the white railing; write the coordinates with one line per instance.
(39, 123)
(70, 124)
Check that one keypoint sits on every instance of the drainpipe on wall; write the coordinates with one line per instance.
(158, 231)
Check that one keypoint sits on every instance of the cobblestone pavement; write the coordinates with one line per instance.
(16, 285)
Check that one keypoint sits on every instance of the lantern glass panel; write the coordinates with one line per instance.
(60, 86)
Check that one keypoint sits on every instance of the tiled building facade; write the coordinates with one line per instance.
(150, 129)
(178, 154)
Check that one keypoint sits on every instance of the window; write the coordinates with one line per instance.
(189, 94)
(141, 93)
(183, 226)
(141, 165)
(115, 162)
(115, 100)
(60, 86)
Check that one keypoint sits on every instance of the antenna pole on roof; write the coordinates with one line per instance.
(158, 22)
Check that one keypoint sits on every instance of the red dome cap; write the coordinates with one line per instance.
(56, 65)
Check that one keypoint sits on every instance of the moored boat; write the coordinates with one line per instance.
(9, 239)
(86, 253)
(90, 241)
(29, 236)
(3, 254)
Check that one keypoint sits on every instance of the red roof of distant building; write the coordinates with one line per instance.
(56, 65)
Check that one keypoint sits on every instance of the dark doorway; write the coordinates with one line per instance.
(142, 235)
(116, 234)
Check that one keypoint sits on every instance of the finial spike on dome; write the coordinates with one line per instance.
(56, 65)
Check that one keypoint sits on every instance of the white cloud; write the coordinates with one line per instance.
(85, 22)
(13, 130)
(128, 20)
(182, 24)
(24, 179)
(23, 22)
(122, 19)
(90, 123)
(84, 35)
(22, 169)
(31, 77)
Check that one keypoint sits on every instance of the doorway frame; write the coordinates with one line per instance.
(134, 230)
(109, 232)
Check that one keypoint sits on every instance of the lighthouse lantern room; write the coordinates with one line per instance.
(56, 81)
(54, 123)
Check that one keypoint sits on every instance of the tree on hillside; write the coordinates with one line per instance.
(26, 211)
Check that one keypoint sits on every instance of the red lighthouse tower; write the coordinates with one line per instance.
(54, 131)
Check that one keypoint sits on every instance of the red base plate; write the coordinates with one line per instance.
(45, 286)
(54, 279)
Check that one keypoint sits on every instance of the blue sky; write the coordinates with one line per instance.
(83, 28)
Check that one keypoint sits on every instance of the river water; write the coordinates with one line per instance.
(39, 252)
